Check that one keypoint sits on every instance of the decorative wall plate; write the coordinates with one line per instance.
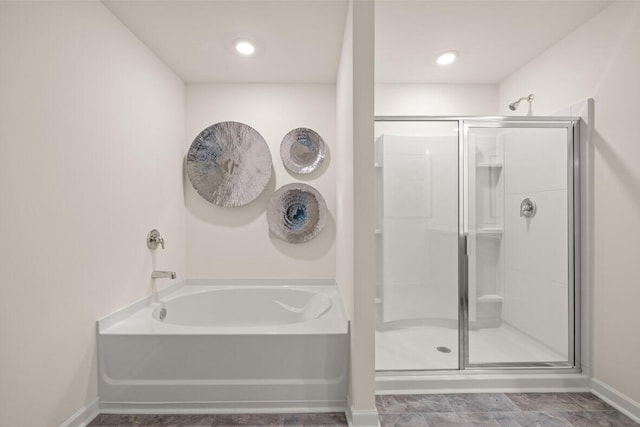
(302, 151)
(296, 213)
(229, 164)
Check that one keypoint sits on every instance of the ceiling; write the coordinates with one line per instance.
(300, 40)
(297, 41)
(493, 38)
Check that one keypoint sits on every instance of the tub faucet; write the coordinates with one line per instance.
(156, 274)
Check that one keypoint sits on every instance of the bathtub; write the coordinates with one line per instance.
(227, 346)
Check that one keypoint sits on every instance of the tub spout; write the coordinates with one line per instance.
(163, 274)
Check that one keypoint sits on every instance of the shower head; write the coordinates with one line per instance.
(515, 104)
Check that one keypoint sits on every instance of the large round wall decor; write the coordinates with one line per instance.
(229, 164)
(296, 213)
(302, 151)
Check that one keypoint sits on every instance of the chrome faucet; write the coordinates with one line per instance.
(156, 274)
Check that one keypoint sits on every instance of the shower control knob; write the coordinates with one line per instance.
(528, 208)
(154, 239)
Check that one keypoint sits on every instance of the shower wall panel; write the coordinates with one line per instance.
(419, 228)
(536, 285)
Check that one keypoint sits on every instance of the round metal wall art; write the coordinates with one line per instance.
(296, 213)
(302, 151)
(229, 164)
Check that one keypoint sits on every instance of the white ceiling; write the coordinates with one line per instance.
(494, 38)
(300, 40)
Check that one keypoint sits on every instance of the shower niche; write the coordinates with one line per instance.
(486, 230)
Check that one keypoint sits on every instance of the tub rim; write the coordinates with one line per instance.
(136, 318)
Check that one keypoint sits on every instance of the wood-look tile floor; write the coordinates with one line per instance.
(430, 410)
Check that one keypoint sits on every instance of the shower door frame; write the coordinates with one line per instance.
(572, 124)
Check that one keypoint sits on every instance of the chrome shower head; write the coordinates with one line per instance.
(515, 104)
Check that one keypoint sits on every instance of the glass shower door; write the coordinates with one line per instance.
(520, 244)
(418, 244)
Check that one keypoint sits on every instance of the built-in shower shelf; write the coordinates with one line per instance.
(491, 232)
(489, 165)
(490, 298)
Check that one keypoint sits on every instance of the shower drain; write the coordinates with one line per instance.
(443, 349)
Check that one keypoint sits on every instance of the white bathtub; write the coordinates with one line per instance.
(243, 307)
(227, 346)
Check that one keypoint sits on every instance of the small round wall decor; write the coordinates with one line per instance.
(296, 213)
(229, 164)
(302, 151)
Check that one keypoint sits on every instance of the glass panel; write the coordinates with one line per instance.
(518, 217)
(417, 244)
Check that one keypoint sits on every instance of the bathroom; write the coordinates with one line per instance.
(100, 102)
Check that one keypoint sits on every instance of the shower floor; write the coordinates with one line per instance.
(415, 348)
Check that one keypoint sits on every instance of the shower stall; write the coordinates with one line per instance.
(477, 244)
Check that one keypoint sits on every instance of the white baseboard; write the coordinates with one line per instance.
(613, 397)
(361, 418)
(83, 416)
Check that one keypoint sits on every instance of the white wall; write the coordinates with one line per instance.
(344, 166)
(91, 132)
(236, 242)
(601, 59)
(356, 256)
(397, 99)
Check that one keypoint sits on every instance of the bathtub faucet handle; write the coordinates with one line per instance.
(154, 239)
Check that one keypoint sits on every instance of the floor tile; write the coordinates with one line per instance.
(590, 402)
(106, 420)
(545, 402)
(485, 402)
(403, 420)
(335, 419)
(146, 420)
(401, 403)
(529, 419)
(598, 419)
(153, 420)
(468, 419)
(273, 420)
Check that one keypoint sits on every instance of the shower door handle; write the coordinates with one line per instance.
(465, 242)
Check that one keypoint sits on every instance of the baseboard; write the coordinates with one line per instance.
(361, 418)
(613, 397)
(267, 407)
(83, 416)
(481, 383)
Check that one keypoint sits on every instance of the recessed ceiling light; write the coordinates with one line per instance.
(447, 58)
(245, 47)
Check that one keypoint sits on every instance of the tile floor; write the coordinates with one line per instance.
(439, 410)
(499, 410)
(221, 420)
